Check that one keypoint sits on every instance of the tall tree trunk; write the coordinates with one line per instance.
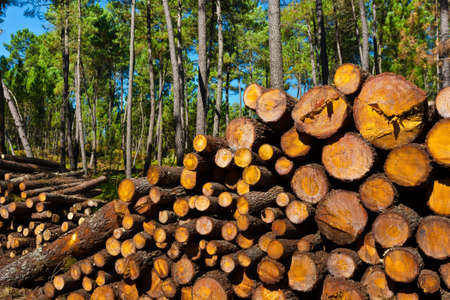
(338, 42)
(311, 56)
(17, 121)
(130, 93)
(376, 45)
(184, 103)
(365, 36)
(276, 55)
(323, 42)
(240, 92)
(2, 119)
(93, 160)
(217, 111)
(358, 39)
(149, 146)
(200, 124)
(65, 99)
(79, 116)
(160, 111)
(179, 142)
(444, 37)
(227, 98)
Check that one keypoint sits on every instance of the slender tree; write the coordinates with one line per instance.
(183, 101)
(311, 56)
(376, 45)
(323, 43)
(65, 99)
(355, 20)
(2, 118)
(179, 142)
(276, 55)
(200, 124)
(130, 93)
(217, 111)
(149, 148)
(337, 34)
(444, 37)
(79, 117)
(17, 121)
(365, 36)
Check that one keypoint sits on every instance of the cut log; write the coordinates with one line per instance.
(395, 226)
(213, 285)
(229, 231)
(265, 239)
(343, 263)
(231, 178)
(186, 231)
(274, 107)
(206, 144)
(265, 293)
(251, 95)
(269, 153)
(250, 256)
(281, 248)
(310, 183)
(20, 167)
(270, 271)
(389, 111)
(250, 224)
(213, 189)
(376, 283)
(443, 102)
(307, 270)
(438, 200)
(34, 184)
(207, 205)
(367, 250)
(444, 270)
(244, 157)
(309, 243)
(284, 228)
(220, 247)
(103, 278)
(138, 262)
(48, 164)
(433, 237)
(321, 112)
(166, 216)
(78, 295)
(245, 240)
(295, 145)
(166, 196)
(297, 211)
(55, 188)
(270, 214)
(83, 187)
(408, 165)
(195, 162)
(437, 142)
(88, 284)
(254, 202)
(284, 198)
(161, 265)
(130, 190)
(164, 176)
(349, 158)
(141, 240)
(407, 296)
(102, 258)
(228, 263)
(341, 217)
(247, 133)
(402, 264)
(224, 158)
(284, 167)
(191, 179)
(349, 78)
(242, 187)
(243, 284)
(64, 283)
(184, 271)
(377, 193)
(82, 241)
(181, 207)
(429, 281)
(336, 288)
(209, 226)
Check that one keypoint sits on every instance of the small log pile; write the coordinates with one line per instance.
(343, 194)
(38, 203)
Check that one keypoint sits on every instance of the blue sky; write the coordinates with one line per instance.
(15, 20)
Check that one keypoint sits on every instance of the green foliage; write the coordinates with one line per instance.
(33, 69)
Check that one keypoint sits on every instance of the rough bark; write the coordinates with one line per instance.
(365, 36)
(217, 110)
(444, 38)
(176, 89)
(130, 93)
(200, 125)
(276, 58)
(17, 121)
(323, 45)
(151, 125)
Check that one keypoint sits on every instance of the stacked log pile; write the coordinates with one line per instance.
(38, 203)
(343, 194)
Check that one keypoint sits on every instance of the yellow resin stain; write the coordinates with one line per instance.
(380, 282)
(345, 74)
(294, 147)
